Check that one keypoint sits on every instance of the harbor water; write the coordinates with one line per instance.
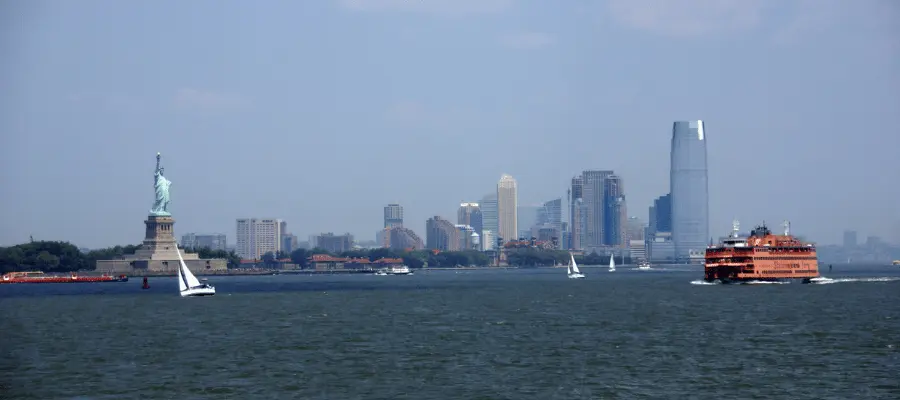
(472, 334)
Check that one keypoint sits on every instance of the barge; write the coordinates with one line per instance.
(40, 277)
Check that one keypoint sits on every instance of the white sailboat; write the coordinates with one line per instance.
(574, 273)
(188, 285)
(612, 264)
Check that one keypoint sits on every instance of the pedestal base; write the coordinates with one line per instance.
(159, 252)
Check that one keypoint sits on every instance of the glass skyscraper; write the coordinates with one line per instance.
(689, 188)
(489, 221)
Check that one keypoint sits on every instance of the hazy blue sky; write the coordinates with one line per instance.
(321, 112)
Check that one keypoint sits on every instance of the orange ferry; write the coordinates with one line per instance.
(40, 277)
(761, 257)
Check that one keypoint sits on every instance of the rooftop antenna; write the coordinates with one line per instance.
(735, 228)
(787, 228)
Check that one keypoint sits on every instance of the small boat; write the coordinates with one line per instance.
(381, 272)
(400, 270)
(643, 265)
(146, 284)
(612, 264)
(574, 272)
(188, 285)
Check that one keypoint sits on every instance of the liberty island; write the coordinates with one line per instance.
(159, 250)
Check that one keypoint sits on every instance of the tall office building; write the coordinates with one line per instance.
(441, 234)
(593, 207)
(550, 214)
(470, 214)
(331, 242)
(615, 214)
(507, 208)
(576, 214)
(403, 239)
(634, 229)
(258, 236)
(488, 206)
(212, 241)
(689, 188)
(661, 214)
(393, 216)
(488, 241)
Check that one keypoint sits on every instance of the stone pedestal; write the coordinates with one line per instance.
(159, 253)
(159, 241)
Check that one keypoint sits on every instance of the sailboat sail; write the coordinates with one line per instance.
(612, 263)
(574, 265)
(188, 277)
(182, 283)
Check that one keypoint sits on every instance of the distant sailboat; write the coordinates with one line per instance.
(188, 285)
(612, 264)
(574, 272)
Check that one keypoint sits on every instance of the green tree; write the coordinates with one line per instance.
(47, 256)
(299, 257)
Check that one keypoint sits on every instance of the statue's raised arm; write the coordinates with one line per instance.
(161, 186)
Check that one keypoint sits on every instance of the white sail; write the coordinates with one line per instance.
(574, 265)
(182, 284)
(612, 263)
(189, 277)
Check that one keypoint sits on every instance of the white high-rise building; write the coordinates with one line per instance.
(256, 237)
(507, 208)
(393, 216)
(488, 241)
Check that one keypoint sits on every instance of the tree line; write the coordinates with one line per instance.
(53, 256)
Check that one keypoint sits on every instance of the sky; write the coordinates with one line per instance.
(322, 112)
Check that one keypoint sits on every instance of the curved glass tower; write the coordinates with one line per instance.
(689, 188)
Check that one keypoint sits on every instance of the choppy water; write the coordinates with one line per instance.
(512, 334)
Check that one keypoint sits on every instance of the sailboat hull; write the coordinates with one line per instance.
(576, 276)
(195, 292)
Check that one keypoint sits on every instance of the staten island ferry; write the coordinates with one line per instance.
(761, 257)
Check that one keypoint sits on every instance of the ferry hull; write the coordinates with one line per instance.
(732, 274)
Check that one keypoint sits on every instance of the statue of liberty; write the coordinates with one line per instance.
(161, 184)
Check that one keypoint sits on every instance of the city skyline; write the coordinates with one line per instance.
(285, 114)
